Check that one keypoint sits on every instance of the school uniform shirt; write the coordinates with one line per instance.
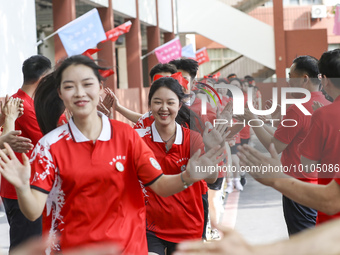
(94, 188)
(145, 121)
(29, 127)
(196, 107)
(322, 144)
(293, 136)
(143, 126)
(178, 217)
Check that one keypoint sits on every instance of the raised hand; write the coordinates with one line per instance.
(13, 108)
(264, 169)
(316, 105)
(2, 116)
(248, 115)
(111, 100)
(17, 143)
(13, 171)
(226, 113)
(203, 167)
(216, 136)
(102, 108)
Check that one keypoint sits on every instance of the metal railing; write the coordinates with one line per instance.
(243, 66)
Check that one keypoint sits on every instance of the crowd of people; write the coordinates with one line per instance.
(94, 180)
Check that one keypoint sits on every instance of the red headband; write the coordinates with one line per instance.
(177, 76)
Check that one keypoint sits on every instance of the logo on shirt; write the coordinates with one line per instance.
(155, 164)
(182, 160)
(116, 161)
(120, 166)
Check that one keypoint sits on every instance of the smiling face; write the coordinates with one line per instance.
(80, 90)
(164, 106)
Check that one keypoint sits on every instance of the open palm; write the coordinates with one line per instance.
(13, 170)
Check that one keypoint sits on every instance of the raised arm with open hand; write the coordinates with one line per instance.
(216, 136)
(168, 185)
(18, 143)
(11, 168)
(260, 163)
(11, 111)
(31, 202)
(201, 168)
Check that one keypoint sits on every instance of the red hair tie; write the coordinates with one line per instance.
(106, 73)
(177, 76)
(90, 52)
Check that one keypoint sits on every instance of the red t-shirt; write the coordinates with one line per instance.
(145, 121)
(321, 144)
(144, 124)
(95, 188)
(178, 217)
(196, 107)
(29, 127)
(293, 136)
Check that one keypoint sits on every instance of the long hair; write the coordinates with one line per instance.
(47, 103)
(185, 117)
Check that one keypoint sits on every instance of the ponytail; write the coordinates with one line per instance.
(47, 103)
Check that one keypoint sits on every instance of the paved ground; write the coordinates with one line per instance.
(259, 216)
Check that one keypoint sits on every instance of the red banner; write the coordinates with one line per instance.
(202, 56)
(113, 34)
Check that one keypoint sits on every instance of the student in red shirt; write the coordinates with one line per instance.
(303, 74)
(88, 172)
(318, 150)
(172, 219)
(33, 69)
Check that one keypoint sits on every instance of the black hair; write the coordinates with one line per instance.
(248, 78)
(222, 80)
(232, 75)
(309, 65)
(236, 79)
(188, 65)
(47, 103)
(34, 67)
(329, 65)
(185, 116)
(162, 68)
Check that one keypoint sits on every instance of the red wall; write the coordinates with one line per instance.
(305, 42)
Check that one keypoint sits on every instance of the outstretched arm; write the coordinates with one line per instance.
(168, 185)
(31, 201)
(325, 198)
(111, 99)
